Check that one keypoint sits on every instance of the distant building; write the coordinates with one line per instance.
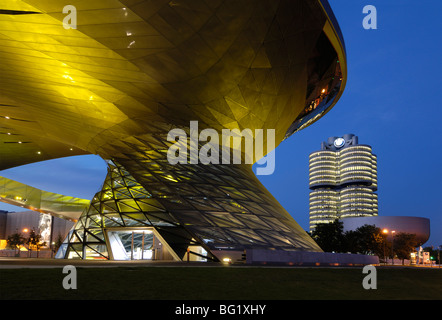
(3, 215)
(49, 227)
(343, 180)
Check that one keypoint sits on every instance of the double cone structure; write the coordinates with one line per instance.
(127, 74)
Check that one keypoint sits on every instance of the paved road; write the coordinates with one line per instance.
(10, 263)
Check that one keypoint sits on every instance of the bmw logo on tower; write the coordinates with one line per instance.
(339, 143)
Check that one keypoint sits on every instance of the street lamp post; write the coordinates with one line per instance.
(26, 230)
(438, 255)
(52, 248)
(385, 232)
(392, 245)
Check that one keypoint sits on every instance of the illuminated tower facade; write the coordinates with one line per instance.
(343, 180)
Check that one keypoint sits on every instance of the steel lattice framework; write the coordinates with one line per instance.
(217, 207)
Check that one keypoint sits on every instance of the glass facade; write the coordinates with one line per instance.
(343, 180)
(125, 222)
(191, 209)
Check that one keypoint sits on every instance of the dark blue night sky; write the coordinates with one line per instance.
(392, 102)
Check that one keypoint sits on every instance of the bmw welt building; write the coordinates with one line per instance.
(127, 73)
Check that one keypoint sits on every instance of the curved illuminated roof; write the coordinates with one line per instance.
(25, 196)
(132, 63)
(133, 70)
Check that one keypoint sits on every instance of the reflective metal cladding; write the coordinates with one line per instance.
(132, 71)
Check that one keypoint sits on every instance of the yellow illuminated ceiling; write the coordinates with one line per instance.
(130, 64)
(25, 196)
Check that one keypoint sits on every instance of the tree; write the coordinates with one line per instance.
(436, 253)
(404, 244)
(34, 241)
(14, 241)
(329, 236)
(366, 239)
(352, 242)
(58, 243)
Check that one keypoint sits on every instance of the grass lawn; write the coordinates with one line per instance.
(221, 283)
